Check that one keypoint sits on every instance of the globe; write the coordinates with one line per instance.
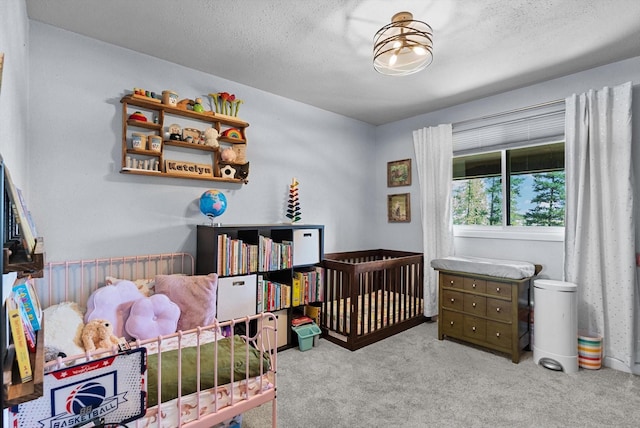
(213, 203)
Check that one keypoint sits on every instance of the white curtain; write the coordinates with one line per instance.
(434, 152)
(600, 234)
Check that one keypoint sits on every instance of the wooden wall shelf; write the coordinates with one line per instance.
(166, 115)
(16, 392)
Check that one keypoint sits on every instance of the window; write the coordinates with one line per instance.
(528, 191)
(508, 169)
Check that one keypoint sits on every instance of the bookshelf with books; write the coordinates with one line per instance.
(269, 258)
(23, 250)
(23, 255)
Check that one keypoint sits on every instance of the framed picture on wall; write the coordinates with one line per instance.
(399, 208)
(399, 173)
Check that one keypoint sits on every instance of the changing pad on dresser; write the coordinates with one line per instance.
(512, 269)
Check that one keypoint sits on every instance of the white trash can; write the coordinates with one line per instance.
(555, 343)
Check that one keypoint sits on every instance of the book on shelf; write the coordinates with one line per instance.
(260, 303)
(18, 209)
(29, 333)
(313, 312)
(24, 288)
(295, 292)
(308, 286)
(18, 335)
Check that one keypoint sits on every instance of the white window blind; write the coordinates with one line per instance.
(528, 126)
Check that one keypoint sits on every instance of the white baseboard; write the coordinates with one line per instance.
(619, 365)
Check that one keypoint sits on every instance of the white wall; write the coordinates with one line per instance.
(14, 114)
(14, 37)
(395, 141)
(84, 207)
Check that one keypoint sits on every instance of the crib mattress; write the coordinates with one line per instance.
(379, 318)
(511, 269)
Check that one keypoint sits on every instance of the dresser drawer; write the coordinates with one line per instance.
(499, 310)
(475, 305)
(451, 323)
(473, 284)
(501, 289)
(452, 299)
(452, 281)
(474, 328)
(499, 334)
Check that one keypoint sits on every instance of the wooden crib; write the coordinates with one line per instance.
(371, 295)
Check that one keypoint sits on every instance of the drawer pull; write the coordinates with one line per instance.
(307, 235)
(498, 334)
(497, 309)
(473, 285)
(451, 323)
(451, 282)
(453, 300)
(473, 328)
(497, 289)
(237, 283)
(474, 304)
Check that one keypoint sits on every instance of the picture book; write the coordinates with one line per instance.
(19, 338)
(24, 288)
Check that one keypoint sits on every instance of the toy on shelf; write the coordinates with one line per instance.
(293, 209)
(175, 132)
(211, 137)
(152, 165)
(186, 104)
(191, 135)
(147, 95)
(228, 155)
(232, 133)
(197, 106)
(137, 115)
(170, 98)
(226, 103)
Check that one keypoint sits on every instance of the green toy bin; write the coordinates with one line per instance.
(306, 334)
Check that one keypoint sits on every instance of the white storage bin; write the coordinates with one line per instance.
(236, 297)
(306, 247)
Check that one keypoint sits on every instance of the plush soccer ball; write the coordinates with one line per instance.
(227, 171)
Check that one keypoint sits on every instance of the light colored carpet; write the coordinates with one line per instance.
(415, 380)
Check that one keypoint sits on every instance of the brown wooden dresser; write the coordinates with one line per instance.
(487, 311)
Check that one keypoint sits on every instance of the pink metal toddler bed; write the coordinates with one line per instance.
(200, 377)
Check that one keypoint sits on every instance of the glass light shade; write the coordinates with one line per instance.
(403, 47)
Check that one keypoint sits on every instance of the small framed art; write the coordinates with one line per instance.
(399, 173)
(399, 208)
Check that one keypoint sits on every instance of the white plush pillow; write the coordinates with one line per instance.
(64, 323)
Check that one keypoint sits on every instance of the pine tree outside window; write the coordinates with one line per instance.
(523, 186)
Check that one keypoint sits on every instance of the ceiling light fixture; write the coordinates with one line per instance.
(403, 47)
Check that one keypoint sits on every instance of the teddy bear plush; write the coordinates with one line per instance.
(211, 138)
(98, 333)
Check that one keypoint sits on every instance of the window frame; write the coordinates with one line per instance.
(505, 231)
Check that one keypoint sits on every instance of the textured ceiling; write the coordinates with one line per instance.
(319, 51)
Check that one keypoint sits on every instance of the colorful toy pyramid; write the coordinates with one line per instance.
(293, 209)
